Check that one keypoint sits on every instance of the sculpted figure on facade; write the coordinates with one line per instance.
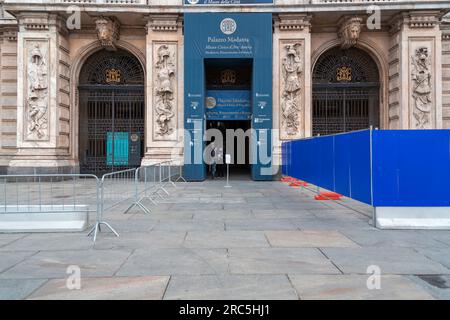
(107, 32)
(291, 89)
(421, 88)
(164, 87)
(349, 31)
(37, 99)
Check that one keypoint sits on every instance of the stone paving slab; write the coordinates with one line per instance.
(117, 288)
(259, 224)
(188, 225)
(308, 238)
(279, 261)
(17, 289)
(332, 224)
(169, 261)
(438, 254)
(11, 258)
(282, 214)
(226, 239)
(50, 242)
(135, 240)
(394, 238)
(8, 238)
(54, 264)
(222, 214)
(391, 260)
(230, 287)
(354, 287)
(436, 285)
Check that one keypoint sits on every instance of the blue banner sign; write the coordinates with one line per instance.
(226, 2)
(225, 36)
(117, 148)
(228, 105)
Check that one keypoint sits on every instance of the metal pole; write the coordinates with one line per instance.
(228, 176)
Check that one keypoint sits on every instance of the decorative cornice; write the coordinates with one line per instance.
(31, 21)
(163, 23)
(292, 22)
(9, 34)
(415, 20)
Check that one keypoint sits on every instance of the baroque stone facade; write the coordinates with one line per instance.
(41, 56)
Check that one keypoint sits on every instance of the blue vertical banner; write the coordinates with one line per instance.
(227, 36)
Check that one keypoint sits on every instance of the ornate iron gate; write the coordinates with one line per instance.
(345, 92)
(112, 113)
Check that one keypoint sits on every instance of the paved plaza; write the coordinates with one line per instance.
(256, 240)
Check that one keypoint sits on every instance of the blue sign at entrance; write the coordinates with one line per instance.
(228, 36)
(228, 105)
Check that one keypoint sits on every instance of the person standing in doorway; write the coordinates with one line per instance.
(219, 157)
(213, 160)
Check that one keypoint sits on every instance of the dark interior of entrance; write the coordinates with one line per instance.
(345, 92)
(230, 80)
(111, 112)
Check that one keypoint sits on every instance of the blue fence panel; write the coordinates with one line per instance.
(360, 169)
(340, 163)
(411, 168)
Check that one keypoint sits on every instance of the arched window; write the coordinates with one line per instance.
(112, 112)
(345, 92)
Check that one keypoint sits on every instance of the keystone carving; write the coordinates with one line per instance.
(349, 31)
(108, 32)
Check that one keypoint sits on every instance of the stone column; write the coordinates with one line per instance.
(445, 27)
(292, 79)
(8, 95)
(164, 112)
(43, 108)
(415, 74)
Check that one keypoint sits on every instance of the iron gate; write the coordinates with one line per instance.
(345, 92)
(340, 110)
(112, 113)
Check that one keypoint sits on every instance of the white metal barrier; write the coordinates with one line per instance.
(52, 193)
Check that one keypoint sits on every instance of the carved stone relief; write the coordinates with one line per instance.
(164, 84)
(107, 32)
(292, 68)
(37, 93)
(421, 88)
(349, 31)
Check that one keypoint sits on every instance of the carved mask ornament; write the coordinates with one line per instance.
(107, 32)
(349, 32)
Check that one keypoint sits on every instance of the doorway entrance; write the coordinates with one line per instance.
(112, 112)
(345, 92)
(236, 143)
(218, 46)
(228, 109)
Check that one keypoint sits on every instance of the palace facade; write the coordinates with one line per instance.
(94, 85)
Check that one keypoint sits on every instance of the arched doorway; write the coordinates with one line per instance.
(111, 111)
(345, 92)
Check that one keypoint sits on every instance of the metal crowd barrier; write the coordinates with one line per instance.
(69, 195)
(43, 193)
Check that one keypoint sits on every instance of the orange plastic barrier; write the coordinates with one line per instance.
(328, 195)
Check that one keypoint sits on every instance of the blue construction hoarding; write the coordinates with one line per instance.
(383, 168)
